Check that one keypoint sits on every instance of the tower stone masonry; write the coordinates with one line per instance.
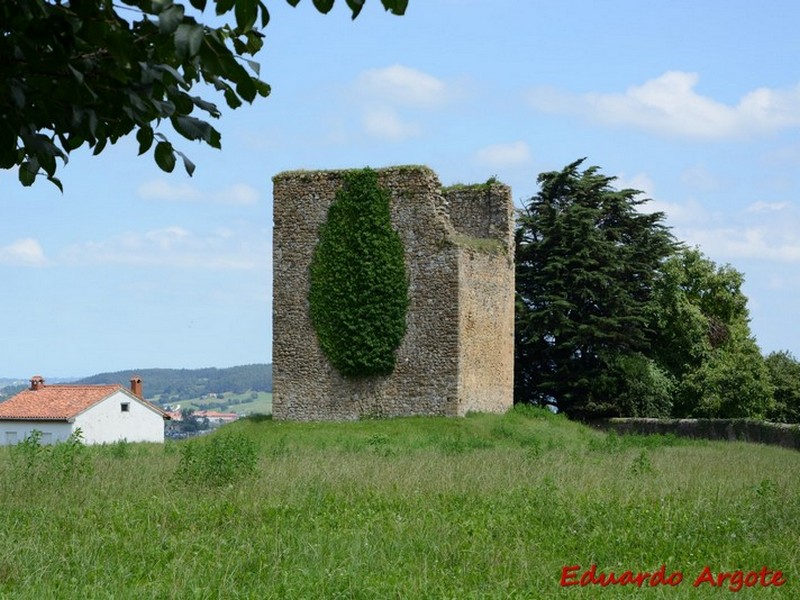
(457, 355)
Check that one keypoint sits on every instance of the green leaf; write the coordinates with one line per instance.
(264, 13)
(255, 41)
(324, 6)
(188, 39)
(92, 117)
(224, 6)
(187, 164)
(170, 18)
(397, 7)
(198, 4)
(165, 157)
(254, 66)
(47, 159)
(246, 88)
(172, 71)
(355, 6)
(57, 182)
(194, 129)
(74, 142)
(231, 98)
(262, 88)
(183, 101)
(77, 74)
(293, 2)
(145, 138)
(246, 12)
(99, 146)
(209, 107)
(157, 6)
(27, 172)
(164, 108)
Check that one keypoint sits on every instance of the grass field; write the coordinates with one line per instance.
(481, 507)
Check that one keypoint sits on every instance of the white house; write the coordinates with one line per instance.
(104, 413)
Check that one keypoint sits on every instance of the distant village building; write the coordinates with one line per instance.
(104, 414)
(216, 418)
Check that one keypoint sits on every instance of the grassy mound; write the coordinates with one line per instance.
(483, 507)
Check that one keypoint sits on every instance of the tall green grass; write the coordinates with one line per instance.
(483, 507)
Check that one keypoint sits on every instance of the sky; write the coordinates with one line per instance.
(697, 104)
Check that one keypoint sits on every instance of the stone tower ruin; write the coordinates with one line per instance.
(458, 351)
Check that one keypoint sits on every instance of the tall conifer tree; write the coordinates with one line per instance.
(587, 259)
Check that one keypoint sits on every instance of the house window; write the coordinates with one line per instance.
(125, 406)
(47, 438)
(11, 437)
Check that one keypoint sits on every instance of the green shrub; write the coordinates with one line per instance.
(27, 454)
(71, 457)
(358, 293)
(258, 418)
(218, 460)
(784, 373)
(633, 386)
(731, 384)
(62, 461)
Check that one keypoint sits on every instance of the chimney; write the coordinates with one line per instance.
(37, 382)
(136, 387)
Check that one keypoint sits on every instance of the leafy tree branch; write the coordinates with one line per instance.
(86, 73)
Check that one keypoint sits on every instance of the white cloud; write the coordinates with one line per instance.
(167, 238)
(640, 181)
(174, 247)
(670, 106)
(761, 207)
(386, 124)
(402, 86)
(392, 100)
(675, 212)
(750, 242)
(26, 252)
(680, 213)
(159, 189)
(511, 154)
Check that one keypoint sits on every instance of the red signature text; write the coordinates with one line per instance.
(734, 580)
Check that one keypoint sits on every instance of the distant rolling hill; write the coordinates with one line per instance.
(173, 385)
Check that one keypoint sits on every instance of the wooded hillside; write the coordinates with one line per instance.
(171, 385)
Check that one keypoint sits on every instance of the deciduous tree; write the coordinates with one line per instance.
(784, 373)
(702, 339)
(78, 73)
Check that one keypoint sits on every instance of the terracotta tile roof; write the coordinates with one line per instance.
(175, 415)
(58, 402)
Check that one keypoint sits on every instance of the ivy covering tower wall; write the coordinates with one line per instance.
(456, 352)
(358, 293)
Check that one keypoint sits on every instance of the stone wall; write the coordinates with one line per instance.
(457, 354)
(745, 430)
